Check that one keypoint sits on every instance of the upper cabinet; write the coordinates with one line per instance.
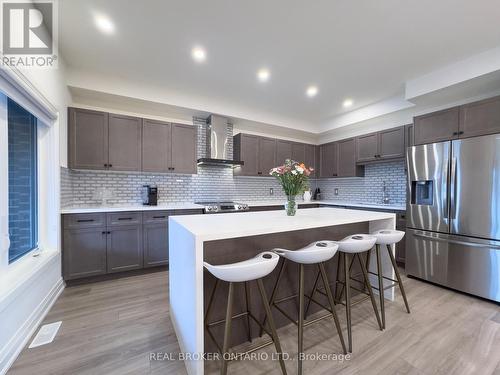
(409, 138)
(347, 159)
(328, 160)
(480, 118)
(124, 143)
(87, 139)
(100, 140)
(257, 153)
(386, 144)
(311, 158)
(283, 151)
(437, 126)
(183, 149)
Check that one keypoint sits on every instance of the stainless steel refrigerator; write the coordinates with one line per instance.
(453, 214)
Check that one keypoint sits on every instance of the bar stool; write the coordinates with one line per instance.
(356, 245)
(315, 253)
(388, 237)
(242, 272)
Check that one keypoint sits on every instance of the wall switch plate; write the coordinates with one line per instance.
(336, 191)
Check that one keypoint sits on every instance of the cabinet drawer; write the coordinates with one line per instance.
(124, 218)
(77, 221)
(156, 216)
(193, 211)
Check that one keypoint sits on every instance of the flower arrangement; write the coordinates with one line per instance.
(294, 178)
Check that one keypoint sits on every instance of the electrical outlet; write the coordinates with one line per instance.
(271, 191)
(336, 191)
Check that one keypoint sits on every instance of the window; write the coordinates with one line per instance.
(23, 181)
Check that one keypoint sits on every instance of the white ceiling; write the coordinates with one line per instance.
(366, 50)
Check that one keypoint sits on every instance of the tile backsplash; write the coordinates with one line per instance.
(369, 188)
(213, 183)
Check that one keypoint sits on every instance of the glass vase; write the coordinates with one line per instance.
(290, 205)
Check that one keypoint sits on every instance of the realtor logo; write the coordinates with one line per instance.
(28, 33)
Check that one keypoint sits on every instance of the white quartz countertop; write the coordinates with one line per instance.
(221, 226)
(391, 207)
(130, 207)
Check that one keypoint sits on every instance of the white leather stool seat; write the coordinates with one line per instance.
(357, 243)
(388, 236)
(259, 266)
(316, 252)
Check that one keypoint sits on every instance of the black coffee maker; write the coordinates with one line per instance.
(149, 195)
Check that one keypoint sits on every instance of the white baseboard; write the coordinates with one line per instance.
(14, 347)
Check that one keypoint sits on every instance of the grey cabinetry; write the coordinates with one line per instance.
(367, 147)
(409, 138)
(311, 158)
(347, 159)
(124, 143)
(480, 118)
(267, 155)
(283, 151)
(299, 153)
(124, 241)
(392, 143)
(437, 126)
(386, 144)
(87, 139)
(155, 238)
(328, 160)
(246, 148)
(184, 149)
(401, 245)
(84, 243)
(156, 146)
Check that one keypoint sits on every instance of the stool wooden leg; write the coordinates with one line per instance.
(247, 304)
(398, 277)
(301, 319)
(227, 331)
(272, 326)
(337, 289)
(370, 291)
(380, 284)
(347, 281)
(332, 304)
(273, 293)
(211, 300)
(368, 256)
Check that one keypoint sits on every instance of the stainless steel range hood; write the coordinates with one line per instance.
(217, 138)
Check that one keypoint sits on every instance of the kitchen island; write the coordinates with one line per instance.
(232, 237)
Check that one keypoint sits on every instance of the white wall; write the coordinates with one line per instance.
(29, 286)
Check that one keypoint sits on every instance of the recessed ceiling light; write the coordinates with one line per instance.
(199, 54)
(104, 24)
(263, 75)
(347, 103)
(312, 91)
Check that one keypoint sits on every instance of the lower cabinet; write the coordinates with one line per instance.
(155, 238)
(87, 252)
(124, 248)
(401, 245)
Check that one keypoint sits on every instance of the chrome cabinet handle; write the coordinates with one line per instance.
(456, 242)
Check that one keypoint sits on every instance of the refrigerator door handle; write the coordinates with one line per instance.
(453, 188)
(446, 195)
(456, 242)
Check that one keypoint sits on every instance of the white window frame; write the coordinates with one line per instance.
(15, 86)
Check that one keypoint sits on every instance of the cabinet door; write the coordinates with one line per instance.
(155, 238)
(401, 245)
(246, 149)
(480, 118)
(347, 158)
(328, 160)
(409, 139)
(87, 139)
(84, 252)
(367, 147)
(436, 127)
(310, 159)
(299, 153)
(184, 149)
(124, 248)
(267, 155)
(283, 151)
(125, 134)
(156, 144)
(392, 143)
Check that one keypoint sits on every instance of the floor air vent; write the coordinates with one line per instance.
(46, 334)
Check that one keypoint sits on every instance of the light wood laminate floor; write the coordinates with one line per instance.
(111, 327)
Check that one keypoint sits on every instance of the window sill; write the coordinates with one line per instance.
(18, 275)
